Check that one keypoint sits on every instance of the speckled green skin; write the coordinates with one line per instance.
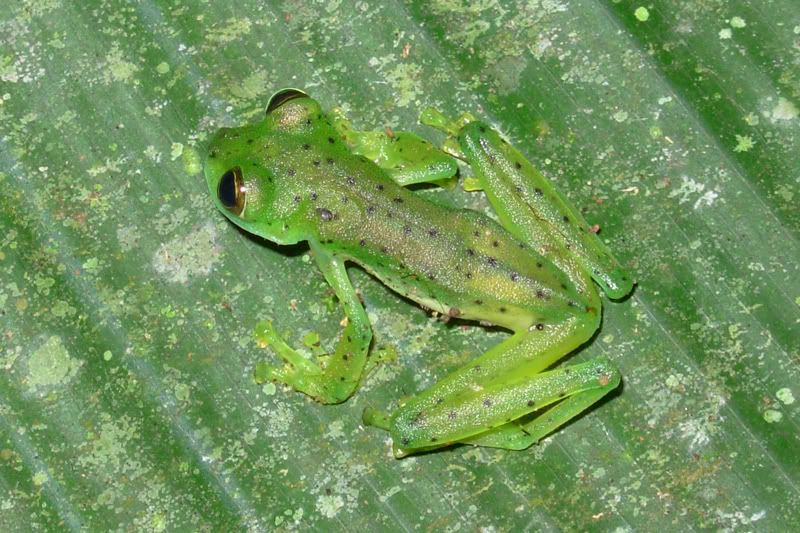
(304, 175)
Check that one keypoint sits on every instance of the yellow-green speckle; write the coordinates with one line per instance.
(162, 68)
(772, 416)
(751, 119)
(743, 143)
(673, 382)
(738, 22)
(107, 355)
(158, 522)
(62, 309)
(226, 31)
(406, 79)
(642, 14)
(191, 161)
(118, 69)
(251, 86)
(182, 392)
(620, 116)
(785, 192)
(40, 478)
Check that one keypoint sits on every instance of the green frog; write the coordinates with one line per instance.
(303, 174)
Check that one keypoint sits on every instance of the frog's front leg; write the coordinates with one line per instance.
(404, 156)
(340, 377)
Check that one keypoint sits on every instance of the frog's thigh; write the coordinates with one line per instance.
(528, 352)
(337, 381)
(504, 384)
(530, 429)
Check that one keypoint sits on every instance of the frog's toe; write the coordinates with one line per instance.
(265, 373)
(373, 417)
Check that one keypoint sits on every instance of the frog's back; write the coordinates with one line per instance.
(455, 261)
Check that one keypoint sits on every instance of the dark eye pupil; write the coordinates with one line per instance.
(227, 189)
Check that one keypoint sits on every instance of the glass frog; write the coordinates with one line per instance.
(303, 174)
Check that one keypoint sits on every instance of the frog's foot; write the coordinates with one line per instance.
(434, 118)
(332, 384)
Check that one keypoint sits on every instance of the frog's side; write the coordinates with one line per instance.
(298, 175)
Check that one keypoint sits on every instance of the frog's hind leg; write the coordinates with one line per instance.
(340, 377)
(404, 156)
(504, 385)
(532, 209)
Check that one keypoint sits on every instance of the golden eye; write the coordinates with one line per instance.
(230, 190)
(281, 97)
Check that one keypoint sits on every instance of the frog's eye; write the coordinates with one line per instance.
(230, 190)
(281, 97)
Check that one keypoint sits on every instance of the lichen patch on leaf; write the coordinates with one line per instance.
(50, 365)
(188, 256)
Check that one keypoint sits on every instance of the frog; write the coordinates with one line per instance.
(535, 269)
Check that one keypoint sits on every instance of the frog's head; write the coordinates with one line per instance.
(246, 168)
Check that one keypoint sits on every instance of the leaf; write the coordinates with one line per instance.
(129, 304)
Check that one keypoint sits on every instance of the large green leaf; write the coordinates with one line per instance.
(128, 303)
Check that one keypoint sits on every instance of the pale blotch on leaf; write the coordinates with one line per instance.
(188, 256)
(784, 110)
(329, 505)
(175, 151)
(117, 68)
(785, 396)
(51, 365)
(772, 416)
